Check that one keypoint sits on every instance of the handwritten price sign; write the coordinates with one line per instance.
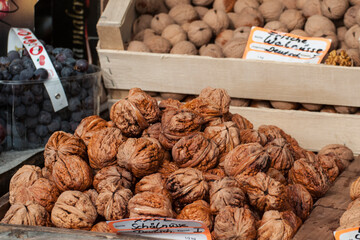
(348, 234)
(264, 44)
(162, 228)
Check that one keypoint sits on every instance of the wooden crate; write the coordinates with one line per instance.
(292, 82)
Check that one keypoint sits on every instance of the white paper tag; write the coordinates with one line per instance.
(19, 37)
(347, 234)
(264, 44)
(165, 228)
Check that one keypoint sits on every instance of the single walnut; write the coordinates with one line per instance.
(355, 189)
(278, 225)
(141, 156)
(147, 6)
(211, 50)
(277, 175)
(24, 177)
(30, 213)
(152, 131)
(330, 151)
(141, 23)
(311, 175)
(225, 135)
(248, 17)
(103, 147)
(149, 204)
(172, 3)
(183, 13)
(311, 8)
(101, 227)
(198, 211)
(345, 109)
(241, 122)
(235, 48)
(328, 163)
(137, 46)
(72, 173)
(186, 185)
(160, 21)
(328, 109)
(214, 174)
(293, 19)
(260, 104)
(113, 204)
(341, 151)
(226, 192)
(152, 183)
(92, 194)
(167, 168)
(88, 126)
(112, 177)
(334, 9)
(350, 218)
(223, 37)
(266, 193)
(199, 33)
(60, 146)
(217, 19)
(350, 17)
(75, 210)
(312, 107)
(318, 23)
(300, 200)
(158, 44)
(235, 223)
(271, 10)
(280, 154)
(177, 123)
(226, 5)
(241, 33)
(174, 34)
(184, 47)
(246, 159)
(241, 4)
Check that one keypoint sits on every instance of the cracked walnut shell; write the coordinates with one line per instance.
(198, 211)
(112, 177)
(30, 213)
(75, 210)
(88, 127)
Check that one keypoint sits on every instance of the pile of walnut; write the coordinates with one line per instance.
(191, 160)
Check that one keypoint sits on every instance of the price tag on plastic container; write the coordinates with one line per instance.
(264, 44)
(19, 37)
(348, 234)
(161, 228)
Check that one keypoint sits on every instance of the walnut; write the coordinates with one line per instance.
(328, 109)
(246, 159)
(253, 136)
(141, 23)
(289, 4)
(24, 177)
(225, 135)
(174, 34)
(223, 37)
(300, 4)
(271, 10)
(152, 183)
(235, 223)
(334, 9)
(260, 104)
(311, 175)
(103, 147)
(350, 218)
(318, 23)
(169, 103)
(160, 21)
(217, 19)
(158, 44)
(147, 6)
(311, 8)
(280, 154)
(354, 54)
(235, 48)
(152, 131)
(214, 174)
(241, 4)
(141, 156)
(266, 193)
(280, 27)
(226, 192)
(242, 33)
(355, 189)
(354, 204)
(187, 185)
(184, 47)
(137, 46)
(88, 126)
(248, 17)
(167, 168)
(112, 204)
(75, 210)
(339, 59)
(300, 200)
(350, 16)
(61, 145)
(202, 2)
(293, 19)
(92, 194)
(333, 151)
(177, 123)
(345, 109)
(174, 96)
(46, 173)
(172, 3)
(278, 225)
(241, 122)
(183, 13)
(211, 50)
(328, 163)
(149, 204)
(226, 5)
(101, 227)
(112, 177)
(198, 211)
(277, 175)
(29, 213)
(354, 2)
(312, 107)
(144, 34)
(201, 11)
(199, 33)
(300, 32)
(271, 132)
(341, 31)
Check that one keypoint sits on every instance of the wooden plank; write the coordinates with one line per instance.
(320, 224)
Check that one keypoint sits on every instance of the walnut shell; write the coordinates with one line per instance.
(339, 153)
(214, 174)
(248, 17)
(226, 5)
(158, 44)
(226, 192)
(141, 156)
(235, 48)
(174, 34)
(260, 104)
(278, 225)
(246, 159)
(103, 147)
(211, 50)
(149, 204)
(280, 154)
(277, 175)
(177, 123)
(152, 183)
(184, 47)
(101, 227)
(300, 200)
(217, 19)
(312, 107)
(88, 126)
(281, 104)
(235, 223)
(167, 168)
(137, 46)
(183, 13)
(289, 4)
(112, 177)
(152, 131)
(346, 109)
(60, 146)
(328, 163)
(242, 33)
(223, 37)
(147, 6)
(350, 218)
(199, 33)
(201, 12)
(355, 189)
(293, 19)
(198, 211)
(92, 194)
(271, 10)
(241, 122)
(141, 23)
(113, 204)
(144, 34)
(186, 185)
(350, 16)
(318, 23)
(225, 135)
(311, 175)
(311, 8)
(46, 173)
(160, 21)
(24, 177)
(241, 4)
(334, 9)
(75, 210)
(30, 213)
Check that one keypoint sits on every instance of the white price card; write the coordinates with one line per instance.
(348, 234)
(19, 37)
(264, 44)
(161, 228)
